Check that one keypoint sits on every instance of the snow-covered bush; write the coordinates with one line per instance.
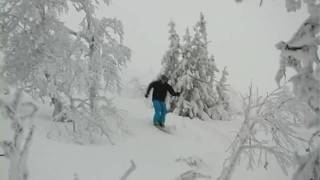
(71, 67)
(17, 150)
(192, 71)
(84, 127)
(268, 129)
(192, 161)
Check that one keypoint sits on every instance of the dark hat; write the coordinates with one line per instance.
(164, 78)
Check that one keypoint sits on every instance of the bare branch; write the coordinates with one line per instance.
(129, 171)
(261, 1)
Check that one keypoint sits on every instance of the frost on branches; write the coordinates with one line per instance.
(192, 71)
(17, 150)
(267, 131)
(71, 67)
(301, 54)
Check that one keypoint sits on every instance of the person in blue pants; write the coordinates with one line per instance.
(160, 89)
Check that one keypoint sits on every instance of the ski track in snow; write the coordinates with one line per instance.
(155, 153)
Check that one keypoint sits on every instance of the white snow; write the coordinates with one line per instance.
(155, 153)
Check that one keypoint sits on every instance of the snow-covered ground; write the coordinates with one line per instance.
(157, 155)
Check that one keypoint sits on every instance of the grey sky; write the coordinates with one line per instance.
(243, 35)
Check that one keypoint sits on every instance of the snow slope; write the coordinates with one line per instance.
(157, 155)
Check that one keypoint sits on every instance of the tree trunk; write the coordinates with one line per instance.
(229, 168)
(18, 160)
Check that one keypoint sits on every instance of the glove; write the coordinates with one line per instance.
(146, 96)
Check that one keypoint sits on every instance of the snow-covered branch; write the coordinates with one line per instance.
(268, 128)
(192, 175)
(17, 149)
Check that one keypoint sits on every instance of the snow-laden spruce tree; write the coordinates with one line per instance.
(17, 150)
(171, 59)
(70, 66)
(195, 75)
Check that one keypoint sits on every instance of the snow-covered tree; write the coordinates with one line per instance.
(195, 75)
(70, 66)
(170, 60)
(33, 39)
(17, 150)
(301, 54)
(268, 129)
(223, 104)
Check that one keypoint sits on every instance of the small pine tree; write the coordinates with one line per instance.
(170, 60)
(223, 104)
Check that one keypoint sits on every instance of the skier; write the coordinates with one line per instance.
(160, 88)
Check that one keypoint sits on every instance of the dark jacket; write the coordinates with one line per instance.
(160, 90)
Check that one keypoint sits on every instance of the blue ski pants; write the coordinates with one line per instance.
(160, 111)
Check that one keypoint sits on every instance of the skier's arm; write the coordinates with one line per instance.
(149, 89)
(172, 92)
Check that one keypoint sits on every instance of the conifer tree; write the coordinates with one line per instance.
(170, 60)
(195, 76)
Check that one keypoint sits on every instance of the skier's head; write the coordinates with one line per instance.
(164, 78)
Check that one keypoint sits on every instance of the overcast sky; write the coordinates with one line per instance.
(242, 35)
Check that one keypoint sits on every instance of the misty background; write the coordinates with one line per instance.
(242, 35)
